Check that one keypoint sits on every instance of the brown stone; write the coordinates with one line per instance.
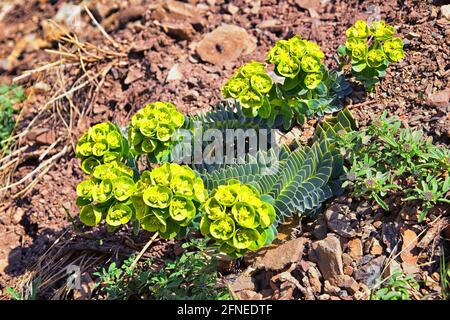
(179, 30)
(279, 257)
(308, 4)
(249, 295)
(225, 44)
(314, 278)
(355, 249)
(440, 99)
(348, 270)
(348, 283)
(409, 250)
(241, 283)
(376, 249)
(329, 257)
(338, 222)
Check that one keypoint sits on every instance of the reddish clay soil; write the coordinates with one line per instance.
(154, 36)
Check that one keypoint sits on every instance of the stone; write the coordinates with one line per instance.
(232, 9)
(376, 249)
(440, 99)
(370, 272)
(329, 257)
(348, 283)
(241, 283)
(42, 136)
(445, 11)
(42, 87)
(320, 228)
(390, 234)
(179, 30)
(364, 209)
(338, 222)
(134, 73)
(314, 278)
(377, 224)
(286, 290)
(347, 260)
(174, 73)
(249, 295)
(348, 270)
(355, 249)
(17, 217)
(410, 268)
(273, 25)
(308, 4)
(225, 44)
(324, 296)
(330, 289)
(279, 257)
(409, 251)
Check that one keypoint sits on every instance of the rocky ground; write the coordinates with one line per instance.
(182, 52)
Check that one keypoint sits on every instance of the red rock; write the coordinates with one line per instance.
(329, 257)
(225, 44)
(355, 249)
(440, 99)
(409, 254)
(279, 257)
(308, 4)
(376, 248)
(249, 295)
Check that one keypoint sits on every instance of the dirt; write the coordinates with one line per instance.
(154, 36)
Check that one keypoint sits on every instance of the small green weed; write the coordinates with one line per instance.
(397, 287)
(386, 159)
(191, 276)
(9, 95)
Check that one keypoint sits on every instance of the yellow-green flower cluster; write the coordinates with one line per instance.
(167, 198)
(103, 143)
(250, 85)
(374, 45)
(107, 194)
(153, 127)
(237, 219)
(298, 58)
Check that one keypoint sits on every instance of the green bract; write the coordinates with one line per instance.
(90, 216)
(370, 50)
(308, 88)
(111, 184)
(250, 85)
(237, 219)
(312, 80)
(152, 129)
(375, 58)
(381, 31)
(119, 214)
(167, 198)
(103, 143)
